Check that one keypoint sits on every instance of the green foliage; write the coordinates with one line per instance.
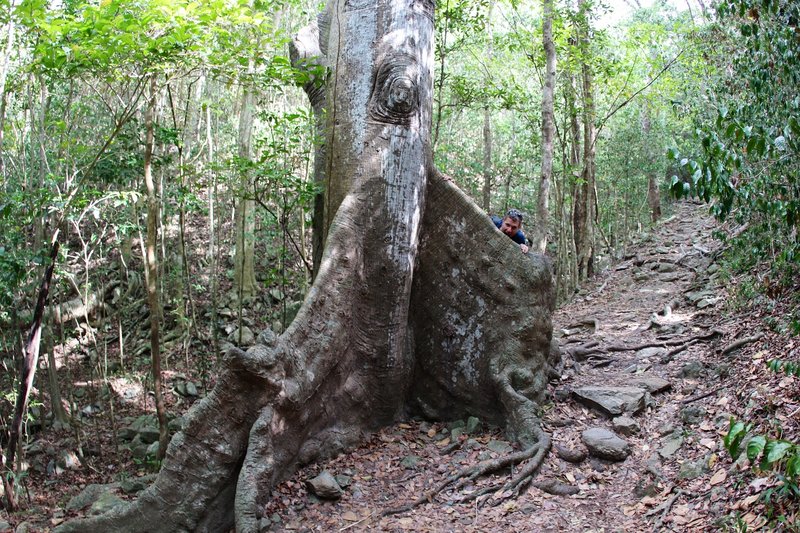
(787, 367)
(766, 453)
(748, 148)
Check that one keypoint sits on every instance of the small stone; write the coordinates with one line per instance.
(5, 526)
(473, 424)
(242, 337)
(456, 424)
(191, 389)
(605, 444)
(180, 387)
(91, 410)
(665, 429)
(410, 462)
(692, 370)
(625, 425)
(641, 276)
(149, 435)
(666, 267)
(68, 460)
(499, 446)
(644, 488)
(692, 469)
(705, 302)
(652, 384)
(671, 445)
(139, 451)
(562, 394)
(653, 352)
(455, 433)
(692, 414)
(343, 480)
(325, 486)
(152, 449)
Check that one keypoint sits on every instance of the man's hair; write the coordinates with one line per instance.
(515, 214)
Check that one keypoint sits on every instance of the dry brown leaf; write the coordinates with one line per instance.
(404, 426)
(649, 501)
(629, 510)
(350, 516)
(444, 442)
(754, 521)
(713, 460)
(406, 522)
(432, 432)
(681, 510)
(711, 444)
(718, 477)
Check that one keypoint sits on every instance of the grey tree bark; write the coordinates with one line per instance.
(486, 200)
(151, 267)
(403, 318)
(244, 282)
(548, 130)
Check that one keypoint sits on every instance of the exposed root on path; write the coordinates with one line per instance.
(593, 350)
(534, 455)
(741, 342)
(665, 507)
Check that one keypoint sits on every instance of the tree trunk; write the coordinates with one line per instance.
(584, 235)
(245, 216)
(487, 125)
(151, 266)
(653, 196)
(399, 318)
(4, 66)
(27, 372)
(548, 131)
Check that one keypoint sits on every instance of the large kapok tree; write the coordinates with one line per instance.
(420, 306)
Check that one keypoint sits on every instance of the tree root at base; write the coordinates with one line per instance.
(532, 457)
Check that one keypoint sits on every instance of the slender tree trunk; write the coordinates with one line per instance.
(586, 212)
(548, 131)
(4, 65)
(487, 124)
(653, 196)
(244, 268)
(27, 373)
(151, 262)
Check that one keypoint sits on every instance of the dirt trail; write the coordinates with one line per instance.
(655, 315)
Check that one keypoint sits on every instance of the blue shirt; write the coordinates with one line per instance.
(518, 237)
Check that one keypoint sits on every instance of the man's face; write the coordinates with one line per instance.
(510, 226)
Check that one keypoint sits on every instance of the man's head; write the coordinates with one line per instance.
(512, 222)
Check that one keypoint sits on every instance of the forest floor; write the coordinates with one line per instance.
(663, 317)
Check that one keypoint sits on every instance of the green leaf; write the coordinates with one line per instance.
(775, 450)
(794, 125)
(733, 439)
(755, 446)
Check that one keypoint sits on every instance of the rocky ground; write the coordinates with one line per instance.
(657, 359)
